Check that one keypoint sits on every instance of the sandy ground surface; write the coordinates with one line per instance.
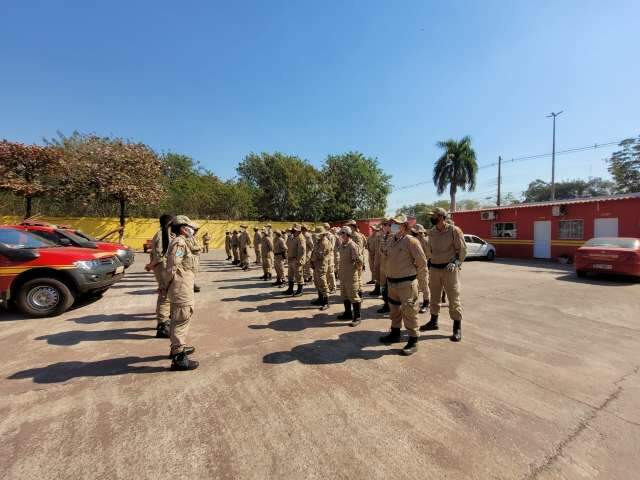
(545, 385)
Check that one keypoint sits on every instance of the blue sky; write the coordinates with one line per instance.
(216, 80)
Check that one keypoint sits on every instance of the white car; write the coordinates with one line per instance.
(478, 248)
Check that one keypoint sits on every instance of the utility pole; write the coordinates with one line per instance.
(553, 155)
(499, 179)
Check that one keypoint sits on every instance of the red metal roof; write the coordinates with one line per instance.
(608, 198)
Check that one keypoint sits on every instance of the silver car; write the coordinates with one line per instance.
(478, 248)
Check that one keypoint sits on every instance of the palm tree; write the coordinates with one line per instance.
(456, 168)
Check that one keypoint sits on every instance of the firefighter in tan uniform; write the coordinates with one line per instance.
(404, 262)
(279, 254)
(373, 246)
(320, 257)
(227, 244)
(179, 279)
(447, 250)
(257, 245)
(194, 246)
(266, 248)
(244, 241)
(336, 252)
(235, 247)
(361, 241)
(206, 238)
(307, 271)
(350, 268)
(296, 258)
(423, 279)
(385, 233)
(331, 265)
(157, 264)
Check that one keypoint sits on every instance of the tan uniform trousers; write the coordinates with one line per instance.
(236, 253)
(308, 268)
(244, 256)
(163, 306)
(372, 265)
(279, 263)
(267, 262)
(295, 271)
(227, 250)
(257, 251)
(439, 279)
(336, 262)
(331, 274)
(180, 319)
(423, 284)
(320, 277)
(403, 305)
(350, 288)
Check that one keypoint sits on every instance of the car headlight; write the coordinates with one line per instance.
(121, 252)
(87, 264)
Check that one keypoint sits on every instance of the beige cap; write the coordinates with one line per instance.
(244, 226)
(402, 218)
(327, 226)
(346, 230)
(184, 220)
(320, 229)
(439, 211)
(419, 228)
(375, 228)
(351, 222)
(296, 227)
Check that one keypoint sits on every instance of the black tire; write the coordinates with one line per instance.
(44, 297)
(581, 273)
(490, 255)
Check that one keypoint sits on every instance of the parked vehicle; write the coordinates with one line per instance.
(67, 236)
(44, 279)
(479, 248)
(612, 255)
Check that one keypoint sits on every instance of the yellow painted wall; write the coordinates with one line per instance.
(139, 230)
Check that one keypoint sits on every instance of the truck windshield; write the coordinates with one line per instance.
(21, 239)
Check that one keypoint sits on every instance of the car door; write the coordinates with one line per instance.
(481, 246)
(472, 247)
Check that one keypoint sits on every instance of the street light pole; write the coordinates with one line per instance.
(553, 155)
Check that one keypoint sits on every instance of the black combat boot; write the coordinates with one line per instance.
(263, 277)
(457, 331)
(289, 291)
(376, 291)
(444, 297)
(196, 288)
(325, 303)
(394, 337)
(299, 290)
(187, 351)
(277, 283)
(347, 311)
(269, 275)
(317, 301)
(162, 330)
(356, 315)
(432, 324)
(411, 347)
(180, 361)
(385, 297)
(360, 294)
(424, 306)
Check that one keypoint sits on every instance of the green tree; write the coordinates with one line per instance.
(456, 168)
(540, 191)
(422, 211)
(624, 166)
(357, 187)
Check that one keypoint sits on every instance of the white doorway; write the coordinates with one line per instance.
(542, 239)
(605, 227)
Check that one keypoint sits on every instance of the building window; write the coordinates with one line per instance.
(504, 230)
(571, 229)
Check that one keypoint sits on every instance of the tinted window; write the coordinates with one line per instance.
(478, 240)
(632, 243)
(21, 239)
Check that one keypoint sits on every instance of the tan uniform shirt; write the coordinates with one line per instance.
(179, 272)
(296, 249)
(266, 243)
(156, 255)
(372, 243)
(350, 260)
(424, 243)
(227, 242)
(308, 238)
(382, 251)
(234, 241)
(245, 241)
(280, 247)
(444, 246)
(257, 239)
(405, 257)
(321, 250)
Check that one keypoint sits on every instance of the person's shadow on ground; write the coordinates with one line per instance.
(322, 320)
(64, 371)
(74, 337)
(115, 317)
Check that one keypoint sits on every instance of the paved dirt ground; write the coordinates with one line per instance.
(545, 384)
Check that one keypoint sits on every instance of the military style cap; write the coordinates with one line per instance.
(346, 230)
(351, 222)
(375, 228)
(320, 229)
(326, 226)
(439, 211)
(184, 220)
(419, 228)
(256, 228)
(296, 227)
(402, 218)
(268, 225)
(244, 226)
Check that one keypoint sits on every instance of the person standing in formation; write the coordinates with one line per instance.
(178, 281)
(404, 262)
(307, 273)
(423, 279)
(257, 245)
(372, 245)
(296, 258)
(361, 241)
(381, 255)
(266, 248)
(331, 266)
(280, 253)
(447, 250)
(320, 263)
(194, 247)
(227, 244)
(350, 267)
(157, 264)
(205, 242)
(235, 247)
(245, 242)
(336, 252)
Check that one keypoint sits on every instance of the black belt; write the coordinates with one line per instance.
(439, 266)
(410, 278)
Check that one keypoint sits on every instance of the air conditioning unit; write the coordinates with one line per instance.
(558, 210)
(488, 215)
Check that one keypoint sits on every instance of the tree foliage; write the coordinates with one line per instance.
(422, 211)
(456, 168)
(624, 166)
(540, 191)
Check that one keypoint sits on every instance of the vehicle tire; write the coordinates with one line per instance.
(490, 255)
(581, 273)
(44, 297)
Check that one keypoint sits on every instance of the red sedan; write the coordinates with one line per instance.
(609, 255)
